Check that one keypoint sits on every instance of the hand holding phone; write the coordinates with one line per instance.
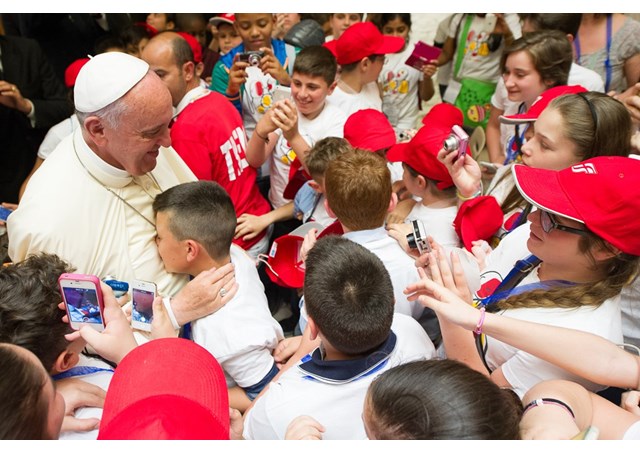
(143, 294)
(82, 297)
(489, 167)
(280, 93)
(422, 55)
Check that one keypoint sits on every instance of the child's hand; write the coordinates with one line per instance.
(631, 401)
(285, 349)
(480, 250)
(76, 394)
(161, 326)
(249, 226)
(399, 232)
(307, 244)
(236, 426)
(429, 69)
(285, 116)
(237, 76)
(270, 65)
(465, 172)
(304, 427)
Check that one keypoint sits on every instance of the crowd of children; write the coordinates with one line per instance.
(332, 263)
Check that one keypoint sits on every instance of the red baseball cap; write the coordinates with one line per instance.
(227, 18)
(603, 193)
(196, 48)
(541, 103)
(478, 218)
(361, 40)
(71, 73)
(284, 263)
(369, 129)
(421, 152)
(167, 389)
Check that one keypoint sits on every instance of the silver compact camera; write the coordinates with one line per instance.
(418, 239)
(251, 57)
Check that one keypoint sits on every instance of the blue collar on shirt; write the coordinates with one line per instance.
(344, 371)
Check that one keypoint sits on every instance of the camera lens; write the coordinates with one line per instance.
(411, 240)
(254, 60)
(451, 143)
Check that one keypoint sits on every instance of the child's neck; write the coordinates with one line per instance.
(439, 200)
(575, 274)
(204, 263)
(350, 82)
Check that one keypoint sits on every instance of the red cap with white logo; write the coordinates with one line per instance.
(603, 193)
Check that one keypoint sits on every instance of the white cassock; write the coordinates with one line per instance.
(67, 211)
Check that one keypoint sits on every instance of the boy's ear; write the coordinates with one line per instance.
(314, 185)
(332, 87)
(65, 361)
(193, 250)
(328, 208)
(393, 202)
(422, 182)
(313, 328)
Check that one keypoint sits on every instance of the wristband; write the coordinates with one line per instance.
(478, 329)
(265, 139)
(167, 305)
(551, 401)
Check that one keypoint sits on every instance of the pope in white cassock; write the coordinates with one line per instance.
(91, 201)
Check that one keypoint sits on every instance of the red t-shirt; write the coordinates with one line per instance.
(209, 136)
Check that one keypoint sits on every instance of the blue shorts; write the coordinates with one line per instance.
(255, 389)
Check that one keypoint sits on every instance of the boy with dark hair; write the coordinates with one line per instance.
(285, 134)
(30, 318)
(250, 86)
(195, 223)
(350, 303)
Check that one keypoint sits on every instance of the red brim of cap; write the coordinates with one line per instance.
(543, 189)
(398, 152)
(390, 44)
(332, 46)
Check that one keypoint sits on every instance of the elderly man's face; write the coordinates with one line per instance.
(143, 128)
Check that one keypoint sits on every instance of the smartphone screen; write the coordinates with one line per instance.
(142, 306)
(82, 305)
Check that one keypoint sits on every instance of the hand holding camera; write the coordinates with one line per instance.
(457, 141)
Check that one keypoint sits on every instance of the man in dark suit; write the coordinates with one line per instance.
(32, 99)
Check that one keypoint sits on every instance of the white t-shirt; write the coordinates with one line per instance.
(242, 334)
(349, 103)
(93, 371)
(578, 75)
(56, 134)
(438, 222)
(400, 84)
(329, 123)
(633, 433)
(478, 61)
(334, 399)
(630, 307)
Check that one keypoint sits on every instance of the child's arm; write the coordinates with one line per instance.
(249, 226)
(401, 211)
(238, 399)
(262, 141)
(228, 81)
(426, 89)
(270, 65)
(496, 154)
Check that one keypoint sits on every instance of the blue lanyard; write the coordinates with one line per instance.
(514, 146)
(607, 62)
(520, 270)
(80, 371)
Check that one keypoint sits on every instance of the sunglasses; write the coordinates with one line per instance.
(548, 223)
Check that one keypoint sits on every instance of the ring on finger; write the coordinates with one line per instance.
(223, 292)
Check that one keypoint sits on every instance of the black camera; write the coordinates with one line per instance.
(418, 239)
(251, 57)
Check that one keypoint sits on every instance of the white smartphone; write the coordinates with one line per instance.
(281, 93)
(142, 295)
(490, 167)
(490, 21)
(83, 301)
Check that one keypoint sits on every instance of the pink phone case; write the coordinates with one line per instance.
(88, 278)
(422, 54)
